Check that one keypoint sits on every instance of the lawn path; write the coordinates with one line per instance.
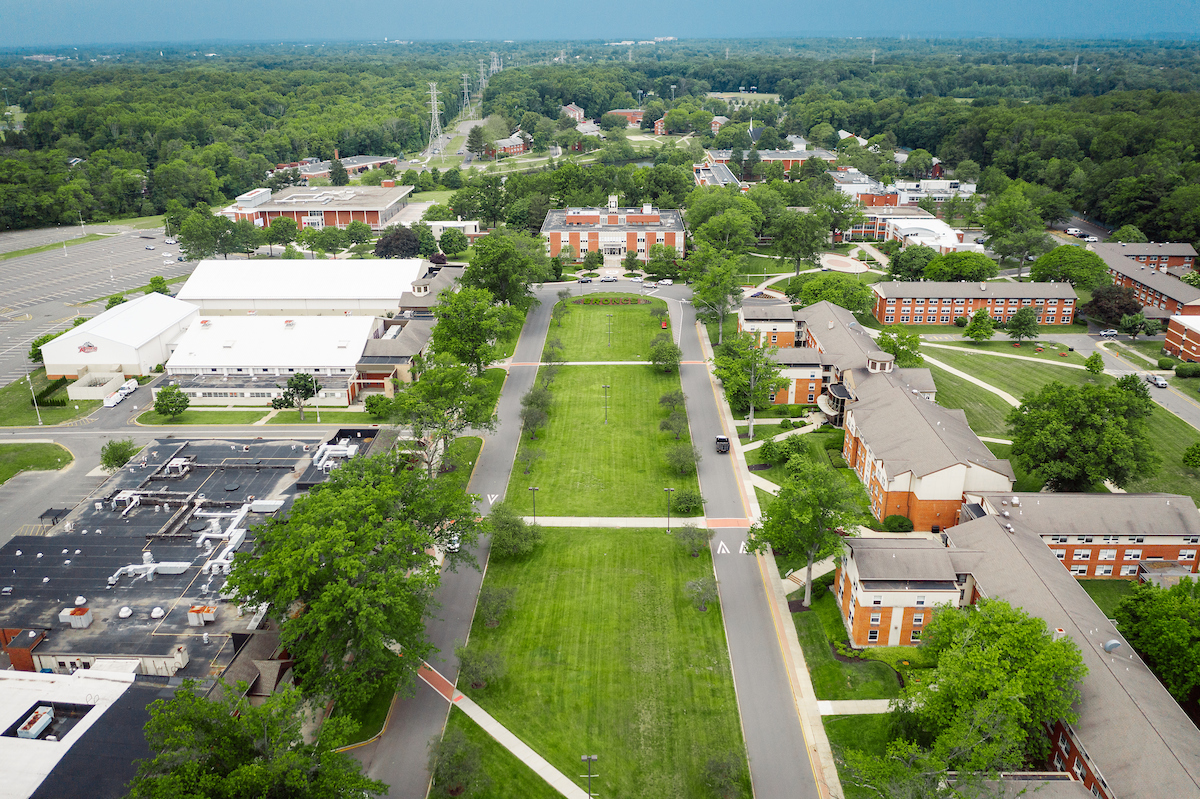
(1004, 395)
(1002, 355)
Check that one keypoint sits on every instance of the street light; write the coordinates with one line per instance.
(589, 759)
(672, 92)
(534, 489)
(605, 387)
(610, 316)
(29, 380)
(668, 490)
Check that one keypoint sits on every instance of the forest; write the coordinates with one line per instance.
(1115, 133)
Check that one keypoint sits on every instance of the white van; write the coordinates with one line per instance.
(127, 388)
(113, 399)
(1073, 231)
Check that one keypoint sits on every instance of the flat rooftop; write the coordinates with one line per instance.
(384, 280)
(335, 198)
(268, 342)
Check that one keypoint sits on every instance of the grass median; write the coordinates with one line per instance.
(17, 458)
(1014, 376)
(985, 411)
(190, 417)
(584, 329)
(1052, 351)
(356, 418)
(606, 654)
(595, 469)
(16, 404)
(508, 775)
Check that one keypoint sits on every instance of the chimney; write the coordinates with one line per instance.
(388, 184)
(1058, 634)
(335, 154)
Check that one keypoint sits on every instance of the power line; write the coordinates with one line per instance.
(435, 118)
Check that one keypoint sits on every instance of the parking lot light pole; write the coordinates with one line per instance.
(605, 387)
(534, 490)
(36, 409)
(589, 759)
(668, 490)
(610, 316)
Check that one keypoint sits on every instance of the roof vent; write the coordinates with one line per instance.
(983, 286)
(205, 323)
(1016, 501)
(1008, 527)
(1005, 514)
(1111, 644)
(1058, 634)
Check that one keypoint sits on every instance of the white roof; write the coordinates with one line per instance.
(383, 279)
(272, 342)
(131, 323)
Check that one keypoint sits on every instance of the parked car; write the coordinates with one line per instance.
(636, 279)
(453, 545)
(585, 280)
(666, 281)
(722, 443)
(1091, 239)
(650, 284)
(1158, 381)
(149, 246)
(180, 258)
(170, 241)
(608, 279)
(1109, 333)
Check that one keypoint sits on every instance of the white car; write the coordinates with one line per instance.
(635, 280)
(1158, 381)
(666, 281)
(1110, 333)
(169, 241)
(149, 246)
(1091, 239)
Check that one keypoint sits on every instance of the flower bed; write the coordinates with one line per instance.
(631, 300)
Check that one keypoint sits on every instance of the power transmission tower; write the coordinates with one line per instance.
(872, 58)
(435, 119)
(1075, 69)
(466, 98)
(630, 56)
(495, 65)
(483, 76)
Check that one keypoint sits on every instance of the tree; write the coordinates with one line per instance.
(512, 536)
(477, 667)
(702, 591)
(842, 210)
(967, 171)
(229, 745)
(683, 457)
(507, 263)
(909, 264)
(338, 176)
(453, 241)
(661, 261)
(470, 325)
(378, 406)
(533, 419)
(748, 374)
(837, 288)
(1013, 228)
(919, 163)
(290, 253)
(426, 243)
(282, 231)
(117, 452)
(158, 285)
(1075, 438)
(441, 404)
(113, 302)
(593, 260)
(725, 774)
(1023, 324)
(800, 237)
(1095, 363)
(476, 141)
(981, 327)
(903, 344)
(170, 401)
(973, 267)
(357, 232)
(693, 538)
(529, 455)
(718, 292)
(665, 353)
(35, 346)
(1132, 324)
(456, 764)
(199, 233)
(300, 388)
(1191, 456)
(1129, 234)
(397, 242)
(494, 603)
(1068, 264)
(1110, 303)
(672, 400)
(804, 518)
(999, 670)
(676, 423)
(732, 231)
(1161, 624)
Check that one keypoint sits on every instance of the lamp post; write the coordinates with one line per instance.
(534, 490)
(589, 759)
(29, 380)
(668, 490)
(672, 92)
(610, 323)
(605, 387)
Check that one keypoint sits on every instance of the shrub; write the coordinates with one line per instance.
(786, 424)
(770, 451)
(796, 410)
(897, 524)
(1187, 370)
(961, 321)
(1191, 456)
(1166, 363)
(836, 442)
(437, 258)
(687, 501)
(377, 405)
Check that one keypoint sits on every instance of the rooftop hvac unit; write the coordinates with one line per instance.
(199, 614)
(78, 618)
(37, 722)
(204, 323)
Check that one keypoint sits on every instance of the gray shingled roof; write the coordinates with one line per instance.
(1170, 287)
(767, 310)
(1142, 743)
(1150, 248)
(845, 343)
(1100, 514)
(898, 559)
(953, 290)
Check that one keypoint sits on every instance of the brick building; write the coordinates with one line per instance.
(513, 145)
(318, 207)
(715, 175)
(613, 230)
(1142, 267)
(931, 303)
(573, 111)
(633, 116)
(788, 158)
(660, 126)
(907, 224)
(1183, 338)
(717, 123)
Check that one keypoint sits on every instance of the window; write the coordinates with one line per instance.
(1058, 764)
(1095, 789)
(919, 318)
(1049, 320)
(891, 302)
(771, 396)
(1108, 554)
(915, 635)
(918, 619)
(1137, 539)
(1133, 554)
(1191, 539)
(1084, 539)
(920, 601)
(810, 398)
(1082, 554)
(875, 617)
(1079, 769)
(1104, 571)
(1061, 554)
(1187, 554)
(1129, 571)
(877, 599)
(903, 318)
(774, 338)
(1064, 743)
(889, 319)
(945, 318)
(1110, 539)
(1079, 571)
(812, 386)
(873, 636)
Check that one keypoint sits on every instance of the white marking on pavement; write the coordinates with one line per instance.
(722, 549)
(492, 498)
(743, 550)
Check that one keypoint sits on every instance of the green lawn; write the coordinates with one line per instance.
(152, 417)
(869, 733)
(16, 458)
(1135, 358)
(327, 417)
(439, 197)
(16, 404)
(594, 469)
(509, 776)
(464, 452)
(1171, 436)
(1025, 481)
(985, 411)
(495, 379)
(1107, 593)
(831, 678)
(711, 326)
(507, 344)
(370, 716)
(764, 499)
(1151, 349)
(1050, 349)
(1014, 376)
(584, 330)
(762, 431)
(606, 654)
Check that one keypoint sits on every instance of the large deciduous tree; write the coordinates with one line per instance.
(1163, 625)
(1075, 438)
(397, 242)
(837, 288)
(1023, 324)
(748, 373)
(170, 401)
(903, 344)
(717, 291)
(805, 516)
(800, 237)
(441, 404)
(909, 264)
(981, 327)
(1070, 264)
(1013, 227)
(469, 326)
(1110, 303)
(507, 263)
(956, 266)
(300, 388)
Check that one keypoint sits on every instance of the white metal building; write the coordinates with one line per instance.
(302, 287)
(223, 360)
(129, 339)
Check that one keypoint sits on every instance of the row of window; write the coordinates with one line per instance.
(1113, 539)
(989, 301)
(917, 620)
(1111, 554)
(873, 636)
(1049, 320)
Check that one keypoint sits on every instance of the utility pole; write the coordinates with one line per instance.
(672, 92)
(495, 65)
(435, 119)
(1075, 69)
(466, 98)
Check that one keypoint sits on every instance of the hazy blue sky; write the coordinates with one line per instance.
(35, 23)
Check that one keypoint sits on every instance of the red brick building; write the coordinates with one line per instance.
(613, 230)
(717, 123)
(660, 126)
(788, 158)
(1141, 267)
(318, 207)
(573, 111)
(513, 145)
(1183, 338)
(633, 116)
(929, 303)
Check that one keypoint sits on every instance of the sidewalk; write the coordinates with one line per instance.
(853, 707)
(618, 521)
(1004, 395)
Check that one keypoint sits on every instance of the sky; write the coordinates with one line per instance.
(59, 23)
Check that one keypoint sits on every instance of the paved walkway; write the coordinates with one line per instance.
(779, 436)
(853, 707)
(557, 780)
(1004, 395)
(1012, 355)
